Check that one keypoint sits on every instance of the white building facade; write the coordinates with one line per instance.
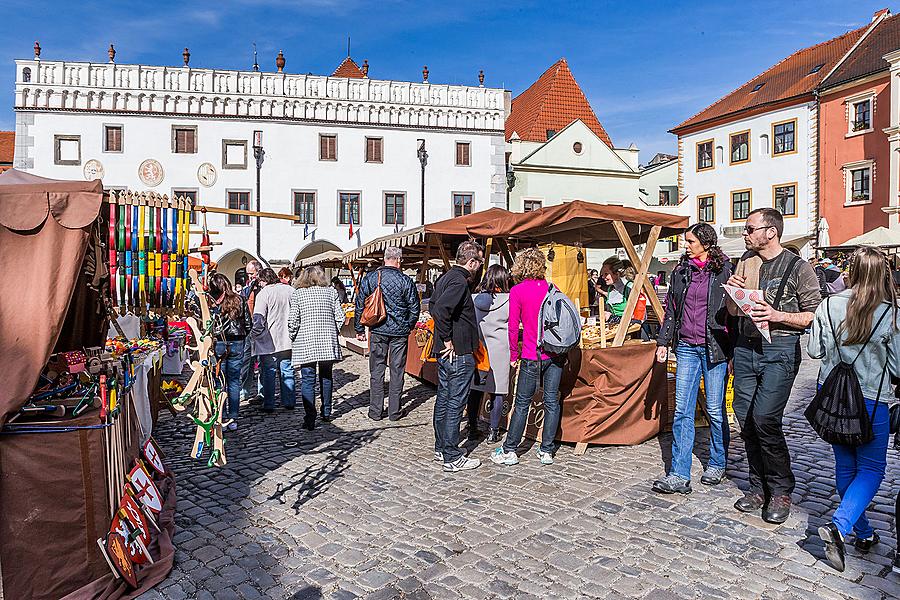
(336, 149)
(765, 160)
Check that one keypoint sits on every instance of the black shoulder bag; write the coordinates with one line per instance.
(838, 411)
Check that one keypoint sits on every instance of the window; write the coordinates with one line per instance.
(462, 204)
(706, 209)
(740, 147)
(757, 87)
(463, 159)
(861, 184)
(190, 195)
(327, 147)
(394, 208)
(112, 138)
(705, 155)
(577, 148)
(664, 197)
(234, 154)
(816, 68)
(784, 137)
(763, 144)
(374, 150)
(785, 199)
(305, 207)
(239, 201)
(861, 115)
(740, 205)
(550, 133)
(184, 139)
(349, 208)
(26, 75)
(67, 149)
(531, 205)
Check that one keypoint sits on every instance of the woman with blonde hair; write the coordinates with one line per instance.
(863, 320)
(314, 322)
(536, 366)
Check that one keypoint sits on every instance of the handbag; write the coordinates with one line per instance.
(374, 312)
(428, 346)
(838, 411)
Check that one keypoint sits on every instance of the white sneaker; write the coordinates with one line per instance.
(463, 463)
(438, 457)
(546, 457)
(501, 457)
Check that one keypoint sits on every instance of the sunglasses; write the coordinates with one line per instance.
(749, 229)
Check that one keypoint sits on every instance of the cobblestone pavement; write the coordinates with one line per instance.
(358, 509)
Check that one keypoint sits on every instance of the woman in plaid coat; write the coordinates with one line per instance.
(314, 323)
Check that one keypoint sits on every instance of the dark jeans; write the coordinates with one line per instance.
(454, 380)
(250, 384)
(308, 389)
(272, 365)
(386, 350)
(763, 377)
(531, 372)
(231, 355)
(474, 408)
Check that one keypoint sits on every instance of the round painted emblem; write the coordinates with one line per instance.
(93, 169)
(206, 174)
(150, 172)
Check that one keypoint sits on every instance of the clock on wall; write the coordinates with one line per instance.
(206, 174)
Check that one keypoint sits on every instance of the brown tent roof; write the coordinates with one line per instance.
(868, 57)
(551, 103)
(41, 261)
(348, 68)
(792, 78)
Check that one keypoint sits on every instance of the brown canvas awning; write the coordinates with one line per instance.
(41, 258)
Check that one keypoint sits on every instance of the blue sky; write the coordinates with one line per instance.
(644, 66)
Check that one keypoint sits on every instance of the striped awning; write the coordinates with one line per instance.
(377, 246)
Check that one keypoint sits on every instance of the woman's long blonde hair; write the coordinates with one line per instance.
(872, 284)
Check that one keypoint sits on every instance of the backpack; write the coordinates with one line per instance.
(374, 312)
(559, 324)
(838, 411)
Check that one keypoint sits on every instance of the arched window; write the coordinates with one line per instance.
(26, 74)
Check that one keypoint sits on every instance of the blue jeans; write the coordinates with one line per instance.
(269, 364)
(531, 372)
(858, 473)
(454, 380)
(231, 355)
(692, 363)
(250, 384)
(308, 389)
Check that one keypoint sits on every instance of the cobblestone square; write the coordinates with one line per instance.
(358, 509)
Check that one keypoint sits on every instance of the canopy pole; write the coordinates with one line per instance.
(443, 251)
(488, 246)
(633, 257)
(504, 251)
(423, 268)
(639, 282)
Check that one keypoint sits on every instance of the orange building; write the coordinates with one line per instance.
(7, 149)
(855, 171)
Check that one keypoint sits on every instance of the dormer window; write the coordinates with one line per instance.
(550, 133)
(757, 87)
(816, 68)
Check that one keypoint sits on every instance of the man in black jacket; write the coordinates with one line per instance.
(390, 338)
(456, 339)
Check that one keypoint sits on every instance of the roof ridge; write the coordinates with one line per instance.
(760, 75)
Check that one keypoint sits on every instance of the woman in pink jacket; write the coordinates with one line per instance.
(536, 366)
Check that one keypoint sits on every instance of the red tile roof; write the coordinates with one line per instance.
(791, 78)
(7, 147)
(552, 102)
(348, 68)
(868, 58)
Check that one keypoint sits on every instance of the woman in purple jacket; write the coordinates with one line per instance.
(695, 325)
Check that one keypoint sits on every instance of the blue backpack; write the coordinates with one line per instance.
(559, 324)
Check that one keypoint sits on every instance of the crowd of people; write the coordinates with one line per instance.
(487, 332)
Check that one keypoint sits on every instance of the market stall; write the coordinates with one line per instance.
(86, 504)
(614, 393)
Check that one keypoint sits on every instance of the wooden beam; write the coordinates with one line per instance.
(248, 213)
(633, 257)
(639, 281)
(443, 251)
(488, 246)
(504, 251)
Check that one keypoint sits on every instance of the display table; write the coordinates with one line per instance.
(609, 396)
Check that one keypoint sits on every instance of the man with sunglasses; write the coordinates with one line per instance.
(764, 371)
(455, 341)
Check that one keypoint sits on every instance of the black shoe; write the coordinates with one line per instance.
(327, 418)
(493, 436)
(672, 484)
(778, 510)
(309, 426)
(268, 411)
(374, 418)
(834, 546)
(474, 433)
(863, 545)
(751, 502)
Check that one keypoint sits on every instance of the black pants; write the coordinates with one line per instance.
(763, 377)
(384, 351)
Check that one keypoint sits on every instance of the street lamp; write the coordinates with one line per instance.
(423, 160)
(258, 154)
